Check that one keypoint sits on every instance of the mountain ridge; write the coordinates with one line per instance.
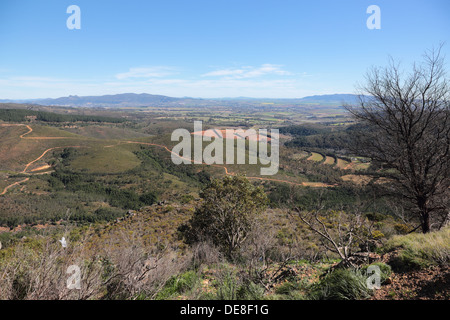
(146, 99)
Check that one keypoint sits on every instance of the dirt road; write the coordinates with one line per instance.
(22, 136)
(12, 185)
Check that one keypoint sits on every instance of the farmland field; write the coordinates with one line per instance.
(315, 157)
(342, 164)
(329, 160)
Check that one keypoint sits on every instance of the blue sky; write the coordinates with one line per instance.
(214, 48)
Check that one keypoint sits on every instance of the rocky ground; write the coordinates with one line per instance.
(432, 283)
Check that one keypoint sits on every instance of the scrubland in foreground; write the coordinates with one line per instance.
(142, 256)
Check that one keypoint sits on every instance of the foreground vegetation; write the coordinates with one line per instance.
(143, 256)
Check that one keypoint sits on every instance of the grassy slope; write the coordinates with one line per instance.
(421, 249)
(101, 159)
(105, 132)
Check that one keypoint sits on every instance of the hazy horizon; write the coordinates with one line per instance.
(180, 97)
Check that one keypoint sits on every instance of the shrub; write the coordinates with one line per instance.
(227, 286)
(231, 287)
(250, 291)
(375, 216)
(107, 214)
(226, 215)
(402, 228)
(291, 290)
(178, 285)
(385, 270)
(377, 234)
(148, 198)
(341, 284)
(407, 260)
(186, 198)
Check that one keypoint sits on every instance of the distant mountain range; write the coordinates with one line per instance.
(144, 99)
(116, 100)
(331, 98)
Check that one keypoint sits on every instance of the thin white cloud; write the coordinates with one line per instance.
(249, 72)
(151, 72)
(225, 72)
(37, 79)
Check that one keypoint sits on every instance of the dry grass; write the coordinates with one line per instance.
(341, 164)
(429, 248)
(315, 157)
(357, 179)
(315, 184)
(300, 155)
(361, 166)
(329, 160)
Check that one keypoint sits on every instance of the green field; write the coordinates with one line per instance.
(100, 159)
(315, 157)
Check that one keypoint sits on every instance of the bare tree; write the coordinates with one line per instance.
(405, 126)
(341, 233)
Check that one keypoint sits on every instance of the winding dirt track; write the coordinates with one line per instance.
(40, 157)
(133, 142)
(22, 136)
(14, 184)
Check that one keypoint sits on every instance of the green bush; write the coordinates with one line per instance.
(21, 286)
(226, 214)
(285, 288)
(385, 270)
(231, 287)
(186, 198)
(107, 214)
(178, 285)
(227, 287)
(148, 198)
(250, 291)
(341, 284)
(290, 291)
(375, 216)
(402, 228)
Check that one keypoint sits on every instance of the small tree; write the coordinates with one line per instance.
(227, 213)
(405, 126)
